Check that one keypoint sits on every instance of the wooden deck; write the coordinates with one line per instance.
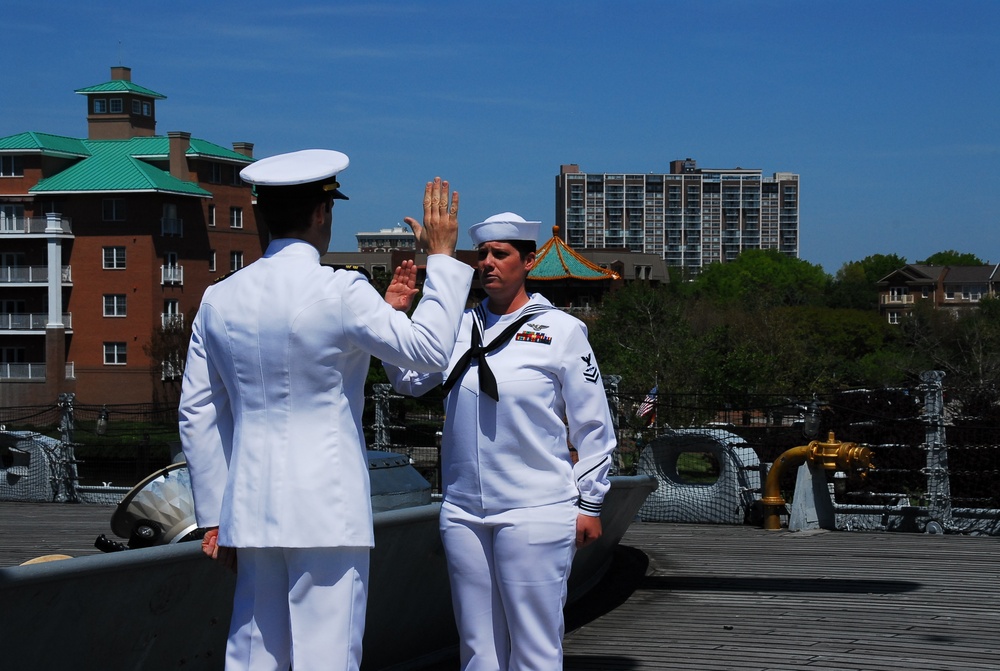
(707, 598)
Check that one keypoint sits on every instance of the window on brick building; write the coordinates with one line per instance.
(114, 305)
(114, 258)
(114, 354)
(236, 217)
(10, 166)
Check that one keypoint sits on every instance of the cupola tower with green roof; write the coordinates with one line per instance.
(119, 109)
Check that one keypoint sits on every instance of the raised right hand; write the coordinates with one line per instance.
(439, 232)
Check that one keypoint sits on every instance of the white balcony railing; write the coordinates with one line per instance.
(899, 299)
(171, 274)
(14, 321)
(171, 320)
(171, 370)
(22, 371)
(32, 225)
(32, 274)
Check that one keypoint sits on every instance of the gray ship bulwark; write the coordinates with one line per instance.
(167, 607)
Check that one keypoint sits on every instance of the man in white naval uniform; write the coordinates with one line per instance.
(270, 414)
(522, 380)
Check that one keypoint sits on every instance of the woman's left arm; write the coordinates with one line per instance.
(591, 430)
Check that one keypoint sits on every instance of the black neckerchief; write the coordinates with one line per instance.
(488, 381)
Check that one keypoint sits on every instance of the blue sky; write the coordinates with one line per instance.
(889, 111)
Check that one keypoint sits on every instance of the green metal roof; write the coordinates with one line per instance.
(121, 86)
(556, 261)
(115, 165)
(44, 143)
(157, 147)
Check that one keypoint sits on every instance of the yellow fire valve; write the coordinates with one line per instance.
(832, 455)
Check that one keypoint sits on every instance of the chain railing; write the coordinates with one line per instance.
(936, 450)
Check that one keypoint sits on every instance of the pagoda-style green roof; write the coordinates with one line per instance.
(121, 86)
(43, 143)
(556, 261)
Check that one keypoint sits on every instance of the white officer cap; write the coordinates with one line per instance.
(308, 167)
(502, 227)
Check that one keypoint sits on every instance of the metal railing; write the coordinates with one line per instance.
(171, 274)
(14, 321)
(171, 320)
(32, 225)
(935, 469)
(22, 371)
(32, 274)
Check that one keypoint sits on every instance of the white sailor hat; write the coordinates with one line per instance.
(504, 226)
(309, 167)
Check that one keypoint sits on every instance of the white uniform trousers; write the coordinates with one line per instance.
(299, 607)
(509, 570)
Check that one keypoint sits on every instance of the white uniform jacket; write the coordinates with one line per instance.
(513, 453)
(270, 412)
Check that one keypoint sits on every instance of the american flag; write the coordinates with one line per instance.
(648, 405)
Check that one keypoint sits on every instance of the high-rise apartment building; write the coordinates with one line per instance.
(690, 216)
(108, 243)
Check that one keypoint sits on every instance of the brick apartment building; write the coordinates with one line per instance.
(106, 246)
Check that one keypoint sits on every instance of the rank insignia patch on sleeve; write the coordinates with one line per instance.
(590, 373)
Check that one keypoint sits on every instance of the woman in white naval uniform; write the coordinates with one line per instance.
(516, 506)
(270, 414)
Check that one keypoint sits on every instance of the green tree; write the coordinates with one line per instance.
(965, 345)
(793, 349)
(977, 344)
(841, 348)
(738, 357)
(762, 278)
(643, 335)
(167, 349)
(950, 257)
(856, 283)
(649, 337)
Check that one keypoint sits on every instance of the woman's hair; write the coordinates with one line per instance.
(523, 247)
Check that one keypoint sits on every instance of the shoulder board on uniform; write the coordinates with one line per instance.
(227, 275)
